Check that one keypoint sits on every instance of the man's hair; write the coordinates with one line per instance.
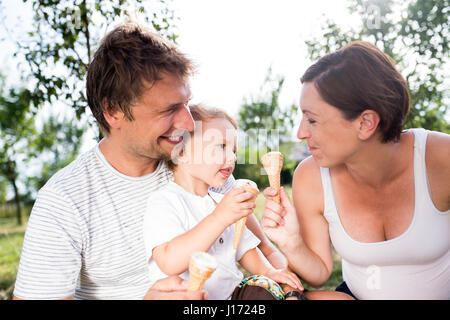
(360, 77)
(201, 112)
(128, 59)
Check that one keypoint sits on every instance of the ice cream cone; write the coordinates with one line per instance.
(273, 163)
(201, 267)
(250, 186)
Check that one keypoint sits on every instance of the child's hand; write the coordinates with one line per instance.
(235, 205)
(285, 276)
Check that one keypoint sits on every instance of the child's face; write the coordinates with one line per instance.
(210, 155)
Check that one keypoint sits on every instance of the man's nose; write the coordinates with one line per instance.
(184, 119)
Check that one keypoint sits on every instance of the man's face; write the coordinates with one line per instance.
(161, 116)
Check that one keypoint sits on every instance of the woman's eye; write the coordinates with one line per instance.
(311, 121)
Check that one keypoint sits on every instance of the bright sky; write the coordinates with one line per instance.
(233, 43)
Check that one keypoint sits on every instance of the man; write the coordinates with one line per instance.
(84, 235)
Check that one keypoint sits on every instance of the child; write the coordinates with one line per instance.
(187, 216)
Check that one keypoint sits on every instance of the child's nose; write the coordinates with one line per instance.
(231, 157)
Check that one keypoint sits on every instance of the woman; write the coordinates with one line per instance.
(378, 194)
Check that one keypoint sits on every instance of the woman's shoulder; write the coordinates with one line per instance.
(307, 184)
(437, 157)
(307, 172)
(438, 148)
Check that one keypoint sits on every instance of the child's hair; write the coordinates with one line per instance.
(201, 112)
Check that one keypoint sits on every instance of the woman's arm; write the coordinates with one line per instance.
(301, 232)
(275, 257)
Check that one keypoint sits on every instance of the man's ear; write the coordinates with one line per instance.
(367, 124)
(113, 117)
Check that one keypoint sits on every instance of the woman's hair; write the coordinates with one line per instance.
(360, 77)
(127, 58)
(201, 112)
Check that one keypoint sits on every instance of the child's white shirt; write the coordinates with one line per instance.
(172, 211)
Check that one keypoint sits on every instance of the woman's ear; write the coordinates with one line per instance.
(367, 124)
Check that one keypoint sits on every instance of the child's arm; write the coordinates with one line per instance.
(255, 263)
(172, 257)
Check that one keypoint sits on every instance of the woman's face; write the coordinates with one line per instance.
(331, 139)
(210, 154)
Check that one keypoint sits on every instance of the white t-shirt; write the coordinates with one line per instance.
(172, 211)
(84, 235)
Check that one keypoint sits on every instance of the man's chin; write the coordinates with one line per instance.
(164, 156)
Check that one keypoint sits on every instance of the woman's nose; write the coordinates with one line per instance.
(303, 132)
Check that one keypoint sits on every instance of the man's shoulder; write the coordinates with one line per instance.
(74, 173)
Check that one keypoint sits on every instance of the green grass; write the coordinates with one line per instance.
(11, 240)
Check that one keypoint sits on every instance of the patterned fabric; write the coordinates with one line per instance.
(266, 283)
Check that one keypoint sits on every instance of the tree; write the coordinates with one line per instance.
(15, 124)
(57, 143)
(267, 127)
(263, 112)
(418, 40)
(65, 35)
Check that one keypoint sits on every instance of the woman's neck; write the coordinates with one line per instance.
(378, 162)
(190, 183)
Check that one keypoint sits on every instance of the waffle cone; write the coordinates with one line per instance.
(198, 276)
(240, 224)
(273, 163)
(238, 229)
(274, 181)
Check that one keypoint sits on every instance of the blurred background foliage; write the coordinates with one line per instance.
(36, 141)
(65, 34)
(415, 34)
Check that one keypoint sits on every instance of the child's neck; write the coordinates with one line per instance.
(189, 183)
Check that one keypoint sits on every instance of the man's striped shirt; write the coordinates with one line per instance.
(84, 235)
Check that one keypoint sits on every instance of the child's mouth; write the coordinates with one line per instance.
(226, 172)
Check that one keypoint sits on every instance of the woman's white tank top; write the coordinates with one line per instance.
(414, 265)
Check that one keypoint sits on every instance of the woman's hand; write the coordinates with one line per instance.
(279, 221)
(235, 205)
(285, 276)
